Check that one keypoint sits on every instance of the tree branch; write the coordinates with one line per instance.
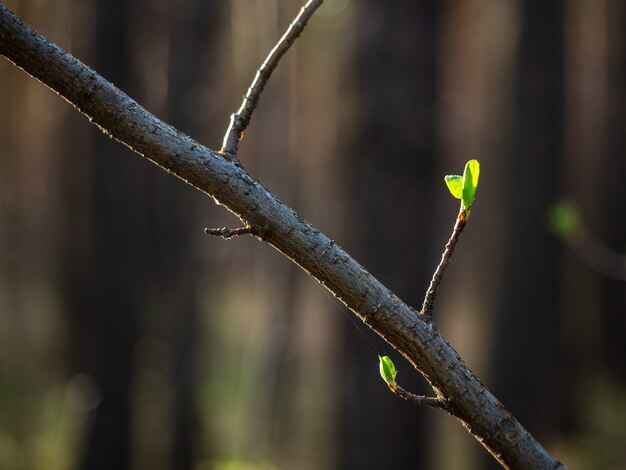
(240, 120)
(227, 233)
(431, 293)
(421, 400)
(414, 335)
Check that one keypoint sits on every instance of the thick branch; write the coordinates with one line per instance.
(414, 335)
(240, 120)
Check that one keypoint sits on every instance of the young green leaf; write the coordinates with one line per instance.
(464, 188)
(388, 371)
(455, 185)
(470, 183)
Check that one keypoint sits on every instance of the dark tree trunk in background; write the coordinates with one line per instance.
(138, 252)
(193, 27)
(613, 231)
(527, 351)
(395, 142)
(117, 259)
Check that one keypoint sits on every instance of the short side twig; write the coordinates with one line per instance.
(240, 120)
(431, 293)
(227, 233)
(421, 400)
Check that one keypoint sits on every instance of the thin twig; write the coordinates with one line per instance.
(429, 299)
(421, 400)
(227, 233)
(240, 120)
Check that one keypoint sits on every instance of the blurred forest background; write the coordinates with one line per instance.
(130, 340)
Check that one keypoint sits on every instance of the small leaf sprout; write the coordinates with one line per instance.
(388, 372)
(464, 188)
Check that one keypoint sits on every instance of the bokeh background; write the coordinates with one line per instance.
(130, 340)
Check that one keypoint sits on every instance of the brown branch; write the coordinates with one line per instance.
(227, 233)
(415, 336)
(240, 120)
(431, 293)
(420, 400)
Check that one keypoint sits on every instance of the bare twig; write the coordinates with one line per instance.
(421, 400)
(240, 120)
(227, 233)
(431, 293)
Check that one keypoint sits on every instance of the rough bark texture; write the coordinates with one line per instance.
(414, 335)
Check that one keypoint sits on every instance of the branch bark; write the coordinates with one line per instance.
(414, 335)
